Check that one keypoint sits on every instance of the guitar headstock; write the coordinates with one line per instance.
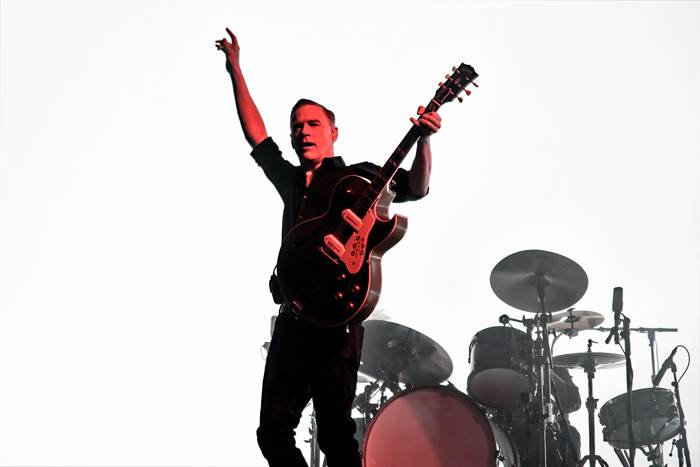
(461, 77)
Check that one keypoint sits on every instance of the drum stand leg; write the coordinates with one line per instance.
(682, 442)
(315, 454)
(623, 458)
(591, 404)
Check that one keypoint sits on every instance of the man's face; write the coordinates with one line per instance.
(313, 134)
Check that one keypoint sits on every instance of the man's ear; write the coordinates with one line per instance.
(334, 133)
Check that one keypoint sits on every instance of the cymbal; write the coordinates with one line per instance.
(363, 378)
(517, 280)
(397, 353)
(601, 360)
(575, 319)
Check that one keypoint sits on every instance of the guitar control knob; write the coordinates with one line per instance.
(338, 295)
(350, 306)
(342, 276)
(356, 288)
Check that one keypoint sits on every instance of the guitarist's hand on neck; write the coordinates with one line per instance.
(419, 176)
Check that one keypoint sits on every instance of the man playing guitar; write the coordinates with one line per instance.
(304, 361)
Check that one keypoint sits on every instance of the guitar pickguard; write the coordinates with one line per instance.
(356, 246)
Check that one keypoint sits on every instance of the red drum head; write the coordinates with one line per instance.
(430, 427)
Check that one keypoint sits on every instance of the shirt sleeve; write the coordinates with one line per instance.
(276, 168)
(399, 184)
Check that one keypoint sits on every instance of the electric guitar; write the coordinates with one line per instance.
(328, 267)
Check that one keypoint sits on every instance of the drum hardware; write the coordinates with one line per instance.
(314, 449)
(617, 304)
(589, 361)
(658, 457)
(540, 282)
(681, 443)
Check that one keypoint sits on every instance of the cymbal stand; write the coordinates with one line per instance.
(591, 405)
(557, 401)
(544, 378)
(315, 450)
(682, 442)
(629, 377)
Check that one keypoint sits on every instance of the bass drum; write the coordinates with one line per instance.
(435, 427)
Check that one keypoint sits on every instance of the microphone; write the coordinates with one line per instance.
(667, 364)
(617, 300)
(617, 308)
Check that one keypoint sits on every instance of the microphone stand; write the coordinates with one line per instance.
(630, 377)
(614, 332)
(682, 442)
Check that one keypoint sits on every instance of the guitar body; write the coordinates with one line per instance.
(329, 269)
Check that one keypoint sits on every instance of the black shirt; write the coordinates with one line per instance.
(300, 202)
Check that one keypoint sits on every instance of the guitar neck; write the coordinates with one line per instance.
(456, 83)
(388, 171)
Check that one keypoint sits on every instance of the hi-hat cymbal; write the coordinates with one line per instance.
(520, 279)
(600, 360)
(579, 320)
(397, 353)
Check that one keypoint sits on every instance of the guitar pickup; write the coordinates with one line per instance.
(352, 219)
(333, 244)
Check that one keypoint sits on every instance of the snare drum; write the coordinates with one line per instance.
(435, 426)
(500, 359)
(654, 418)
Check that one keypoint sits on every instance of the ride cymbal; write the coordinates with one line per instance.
(521, 279)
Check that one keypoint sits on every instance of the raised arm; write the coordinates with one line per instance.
(419, 175)
(251, 122)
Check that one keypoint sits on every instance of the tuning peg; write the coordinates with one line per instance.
(447, 76)
(440, 84)
(454, 68)
(460, 99)
(467, 92)
(475, 85)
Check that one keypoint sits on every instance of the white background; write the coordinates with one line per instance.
(137, 235)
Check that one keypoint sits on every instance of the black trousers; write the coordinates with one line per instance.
(306, 362)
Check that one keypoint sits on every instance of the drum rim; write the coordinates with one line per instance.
(640, 391)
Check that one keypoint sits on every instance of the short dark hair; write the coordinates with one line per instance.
(329, 113)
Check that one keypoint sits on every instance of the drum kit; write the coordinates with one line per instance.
(512, 414)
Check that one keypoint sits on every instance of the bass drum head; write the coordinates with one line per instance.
(435, 427)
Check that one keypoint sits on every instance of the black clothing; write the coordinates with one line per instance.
(305, 361)
(301, 203)
(566, 390)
